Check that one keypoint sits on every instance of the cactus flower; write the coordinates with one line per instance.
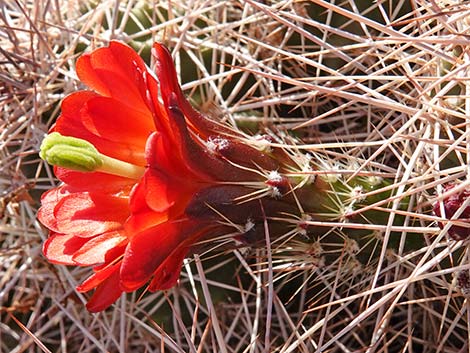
(145, 177)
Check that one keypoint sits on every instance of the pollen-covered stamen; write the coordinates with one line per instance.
(80, 155)
(278, 184)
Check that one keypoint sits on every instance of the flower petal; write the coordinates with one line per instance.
(158, 195)
(89, 214)
(49, 201)
(59, 248)
(94, 251)
(112, 120)
(99, 277)
(168, 273)
(102, 182)
(149, 249)
(84, 106)
(106, 293)
(115, 71)
(165, 70)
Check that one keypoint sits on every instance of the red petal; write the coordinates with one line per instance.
(157, 198)
(86, 215)
(165, 70)
(94, 251)
(73, 103)
(59, 248)
(106, 293)
(176, 153)
(149, 249)
(69, 122)
(168, 272)
(154, 104)
(143, 220)
(142, 216)
(99, 277)
(102, 182)
(112, 120)
(158, 195)
(79, 107)
(158, 156)
(49, 201)
(115, 71)
(88, 76)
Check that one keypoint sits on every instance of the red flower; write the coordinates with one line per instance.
(136, 221)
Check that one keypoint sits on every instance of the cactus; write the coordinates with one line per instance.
(361, 243)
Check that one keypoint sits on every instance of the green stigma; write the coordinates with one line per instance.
(70, 153)
(80, 155)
